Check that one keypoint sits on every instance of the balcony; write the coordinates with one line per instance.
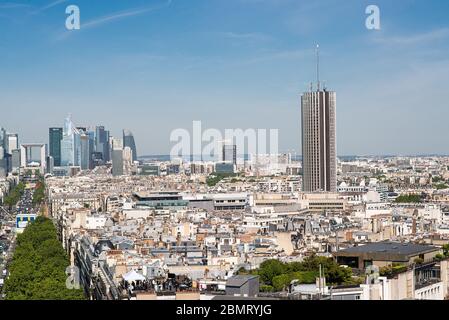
(426, 282)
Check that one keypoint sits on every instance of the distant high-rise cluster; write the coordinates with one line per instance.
(88, 148)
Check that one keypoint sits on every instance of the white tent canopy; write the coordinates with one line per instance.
(133, 276)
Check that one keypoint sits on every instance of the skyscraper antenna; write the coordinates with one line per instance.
(318, 66)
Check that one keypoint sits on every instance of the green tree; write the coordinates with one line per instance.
(215, 178)
(441, 186)
(409, 198)
(446, 249)
(281, 282)
(279, 275)
(14, 195)
(266, 288)
(37, 270)
(39, 192)
(270, 269)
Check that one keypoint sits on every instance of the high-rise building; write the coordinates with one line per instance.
(77, 147)
(68, 144)
(54, 141)
(128, 141)
(117, 162)
(319, 154)
(8, 143)
(99, 138)
(12, 142)
(15, 160)
(318, 111)
(127, 160)
(3, 163)
(102, 142)
(91, 137)
(3, 153)
(50, 164)
(97, 159)
(229, 153)
(3, 138)
(117, 157)
(85, 152)
(108, 150)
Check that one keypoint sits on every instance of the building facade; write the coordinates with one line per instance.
(229, 153)
(128, 141)
(102, 142)
(54, 139)
(68, 144)
(318, 110)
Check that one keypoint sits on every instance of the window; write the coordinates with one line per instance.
(367, 263)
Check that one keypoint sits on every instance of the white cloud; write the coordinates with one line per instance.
(245, 36)
(116, 16)
(48, 6)
(416, 39)
(13, 5)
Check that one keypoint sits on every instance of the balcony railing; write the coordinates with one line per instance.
(426, 283)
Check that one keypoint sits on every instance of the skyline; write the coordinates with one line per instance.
(151, 67)
(126, 132)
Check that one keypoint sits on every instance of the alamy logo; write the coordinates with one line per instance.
(249, 141)
(73, 21)
(373, 20)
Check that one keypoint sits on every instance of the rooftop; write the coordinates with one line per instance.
(389, 248)
(240, 280)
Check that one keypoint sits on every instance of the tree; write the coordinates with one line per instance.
(14, 196)
(270, 269)
(266, 288)
(439, 257)
(281, 282)
(215, 178)
(39, 192)
(408, 198)
(37, 271)
(446, 249)
(279, 275)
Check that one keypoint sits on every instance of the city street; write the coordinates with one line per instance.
(8, 233)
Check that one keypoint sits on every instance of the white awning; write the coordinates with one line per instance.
(133, 276)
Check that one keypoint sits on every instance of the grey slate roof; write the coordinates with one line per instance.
(240, 280)
(390, 247)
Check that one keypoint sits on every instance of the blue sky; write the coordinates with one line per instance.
(156, 65)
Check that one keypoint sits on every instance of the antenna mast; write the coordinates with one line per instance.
(318, 66)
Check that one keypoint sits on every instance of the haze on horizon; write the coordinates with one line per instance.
(155, 66)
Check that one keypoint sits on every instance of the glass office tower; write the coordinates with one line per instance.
(54, 139)
(128, 141)
(68, 144)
